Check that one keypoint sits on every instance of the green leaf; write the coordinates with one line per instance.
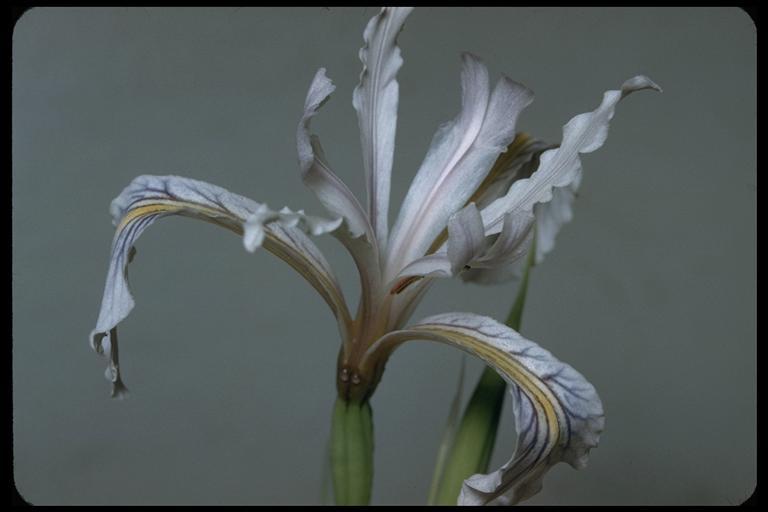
(449, 435)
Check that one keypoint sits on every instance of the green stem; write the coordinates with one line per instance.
(352, 452)
(476, 435)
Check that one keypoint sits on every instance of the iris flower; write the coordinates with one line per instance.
(480, 195)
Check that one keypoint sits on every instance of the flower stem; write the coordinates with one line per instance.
(476, 434)
(352, 452)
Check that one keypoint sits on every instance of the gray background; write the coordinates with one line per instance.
(230, 357)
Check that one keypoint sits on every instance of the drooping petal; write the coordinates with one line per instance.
(560, 167)
(149, 198)
(376, 99)
(316, 172)
(112, 373)
(460, 156)
(558, 414)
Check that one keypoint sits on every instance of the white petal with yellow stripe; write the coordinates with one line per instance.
(148, 198)
(558, 414)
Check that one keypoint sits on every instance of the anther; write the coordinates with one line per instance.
(355, 379)
(344, 375)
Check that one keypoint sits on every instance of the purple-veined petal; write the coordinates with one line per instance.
(460, 156)
(558, 414)
(560, 167)
(148, 198)
(375, 99)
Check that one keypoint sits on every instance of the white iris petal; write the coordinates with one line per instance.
(467, 212)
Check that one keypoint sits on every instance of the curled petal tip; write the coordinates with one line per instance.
(469, 56)
(112, 374)
(119, 391)
(514, 84)
(637, 83)
(316, 173)
(321, 228)
(116, 210)
(558, 414)
(321, 88)
(322, 75)
(95, 341)
(148, 198)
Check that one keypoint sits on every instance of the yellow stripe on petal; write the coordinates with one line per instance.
(558, 414)
(149, 198)
(171, 208)
(512, 370)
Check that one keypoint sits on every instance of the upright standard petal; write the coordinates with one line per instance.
(558, 414)
(360, 239)
(317, 174)
(460, 156)
(561, 167)
(148, 198)
(376, 99)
